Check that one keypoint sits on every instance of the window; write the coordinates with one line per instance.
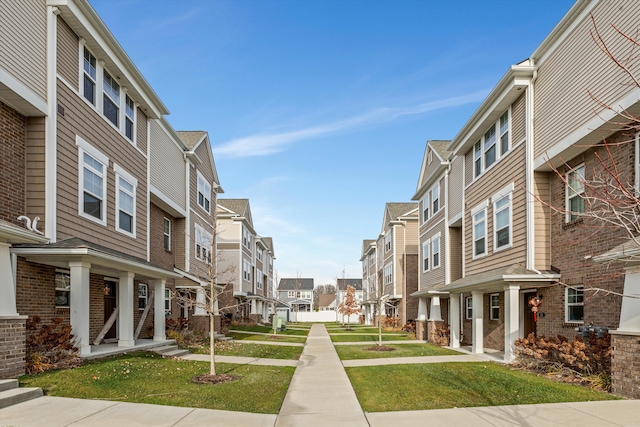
(372, 259)
(93, 178)
(486, 151)
(468, 308)
(426, 204)
(203, 245)
(479, 232)
(259, 253)
(204, 193)
(291, 294)
(574, 306)
(429, 156)
(167, 234)
(246, 270)
(246, 238)
(142, 296)
(89, 80)
(125, 201)
(575, 193)
(435, 251)
(425, 255)
(63, 289)
(387, 241)
(435, 197)
(494, 308)
(259, 279)
(111, 99)
(167, 300)
(502, 222)
(388, 274)
(130, 116)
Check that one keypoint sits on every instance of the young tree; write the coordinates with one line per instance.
(350, 305)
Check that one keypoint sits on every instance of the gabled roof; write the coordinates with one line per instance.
(269, 242)
(495, 279)
(366, 246)
(441, 152)
(237, 207)
(343, 283)
(325, 300)
(393, 211)
(295, 284)
(192, 138)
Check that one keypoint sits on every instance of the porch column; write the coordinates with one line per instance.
(422, 308)
(511, 320)
(7, 284)
(435, 313)
(79, 305)
(630, 310)
(477, 333)
(254, 307)
(202, 304)
(454, 320)
(125, 315)
(159, 327)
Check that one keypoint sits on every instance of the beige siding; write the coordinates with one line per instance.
(82, 120)
(23, 42)
(542, 215)
(455, 253)
(411, 237)
(204, 153)
(433, 278)
(35, 157)
(468, 167)
(562, 102)
(508, 170)
(430, 169)
(518, 119)
(68, 51)
(455, 184)
(141, 130)
(167, 166)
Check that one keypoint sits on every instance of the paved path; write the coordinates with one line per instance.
(320, 393)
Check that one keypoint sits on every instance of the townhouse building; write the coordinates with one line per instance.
(100, 190)
(341, 289)
(370, 283)
(245, 265)
(295, 295)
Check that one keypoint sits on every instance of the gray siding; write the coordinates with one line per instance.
(167, 166)
(455, 184)
(518, 119)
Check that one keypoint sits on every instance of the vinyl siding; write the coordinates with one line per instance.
(455, 253)
(23, 37)
(80, 119)
(518, 119)
(508, 170)
(167, 166)
(204, 153)
(468, 167)
(542, 215)
(430, 169)
(35, 157)
(68, 54)
(455, 196)
(434, 278)
(562, 102)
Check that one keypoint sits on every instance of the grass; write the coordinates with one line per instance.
(148, 378)
(268, 330)
(224, 348)
(350, 352)
(274, 338)
(451, 385)
(367, 338)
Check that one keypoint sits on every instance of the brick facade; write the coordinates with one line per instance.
(12, 163)
(13, 346)
(625, 365)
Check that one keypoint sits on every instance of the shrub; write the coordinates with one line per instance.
(440, 335)
(179, 324)
(49, 346)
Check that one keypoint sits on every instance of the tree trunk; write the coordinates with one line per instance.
(212, 316)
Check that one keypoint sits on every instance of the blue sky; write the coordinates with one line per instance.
(318, 111)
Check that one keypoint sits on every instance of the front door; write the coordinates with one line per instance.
(529, 324)
(110, 304)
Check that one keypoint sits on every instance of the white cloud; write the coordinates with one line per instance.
(263, 144)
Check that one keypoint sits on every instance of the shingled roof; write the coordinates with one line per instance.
(295, 284)
(343, 283)
(238, 206)
(191, 137)
(396, 210)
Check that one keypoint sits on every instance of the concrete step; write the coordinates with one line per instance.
(164, 349)
(18, 395)
(222, 337)
(8, 384)
(175, 353)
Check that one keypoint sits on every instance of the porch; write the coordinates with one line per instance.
(112, 349)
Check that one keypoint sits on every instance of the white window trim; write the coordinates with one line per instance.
(134, 119)
(246, 237)
(499, 156)
(567, 203)
(167, 300)
(291, 294)
(468, 301)
(491, 306)
(507, 191)
(388, 242)
(388, 278)
(426, 255)
(433, 199)
(481, 207)
(426, 206)
(566, 304)
(433, 252)
(164, 233)
(246, 270)
(146, 295)
(206, 192)
(259, 279)
(121, 173)
(203, 235)
(85, 147)
(65, 289)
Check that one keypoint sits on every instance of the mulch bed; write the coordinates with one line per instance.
(380, 348)
(215, 379)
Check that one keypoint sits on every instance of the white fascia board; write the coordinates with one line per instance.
(15, 94)
(174, 208)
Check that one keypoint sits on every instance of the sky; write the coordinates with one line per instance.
(318, 111)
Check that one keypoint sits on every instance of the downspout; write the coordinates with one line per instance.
(404, 272)
(447, 272)
(529, 177)
(50, 127)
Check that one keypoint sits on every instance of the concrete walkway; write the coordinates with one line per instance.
(320, 393)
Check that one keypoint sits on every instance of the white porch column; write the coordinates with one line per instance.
(79, 305)
(201, 303)
(511, 319)
(254, 307)
(422, 308)
(477, 334)
(7, 284)
(125, 315)
(630, 310)
(434, 312)
(159, 327)
(454, 320)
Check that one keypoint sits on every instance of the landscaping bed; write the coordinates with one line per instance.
(351, 352)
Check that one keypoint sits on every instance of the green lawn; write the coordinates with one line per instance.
(268, 330)
(367, 338)
(259, 337)
(148, 378)
(350, 352)
(232, 348)
(451, 385)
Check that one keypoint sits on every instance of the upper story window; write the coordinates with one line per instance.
(89, 76)
(203, 245)
(479, 231)
(574, 304)
(387, 241)
(259, 279)
(130, 117)
(246, 270)
(431, 202)
(204, 193)
(426, 207)
(388, 274)
(435, 251)
(167, 234)
(92, 171)
(246, 238)
(111, 99)
(125, 202)
(426, 255)
(291, 294)
(575, 193)
(259, 253)
(486, 151)
(502, 222)
(435, 198)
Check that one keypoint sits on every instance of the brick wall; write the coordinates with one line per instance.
(12, 164)
(625, 365)
(12, 347)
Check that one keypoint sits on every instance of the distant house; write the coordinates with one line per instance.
(296, 293)
(327, 302)
(341, 289)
